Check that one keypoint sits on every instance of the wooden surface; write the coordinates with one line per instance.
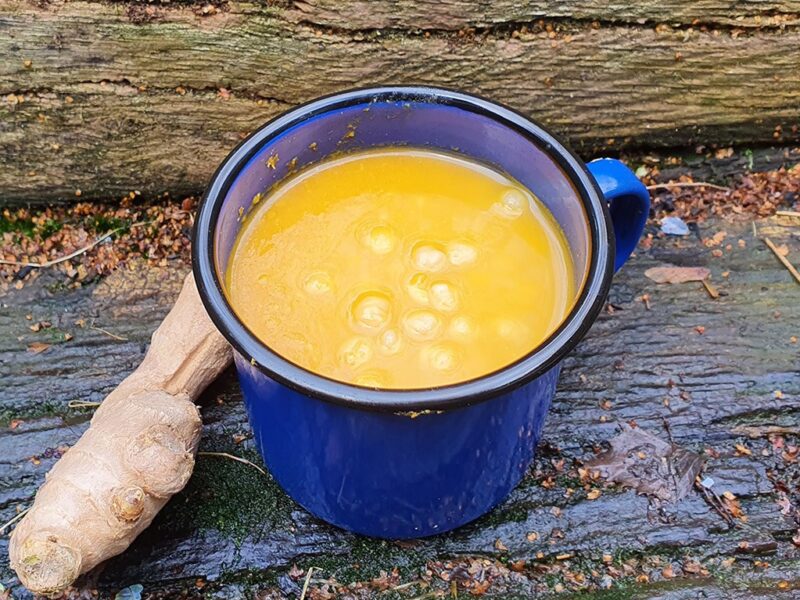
(237, 533)
(112, 97)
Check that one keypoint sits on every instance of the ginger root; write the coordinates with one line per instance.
(138, 451)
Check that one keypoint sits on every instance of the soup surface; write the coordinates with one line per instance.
(401, 268)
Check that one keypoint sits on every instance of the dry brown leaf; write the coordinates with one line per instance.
(37, 347)
(724, 153)
(518, 566)
(716, 239)
(743, 450)
(479, 588)
(733, 506)
(673, 274)
(648, 464)
(692, 567)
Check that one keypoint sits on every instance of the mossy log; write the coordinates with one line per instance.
(107, 98)
(452, 15)
(707, 374)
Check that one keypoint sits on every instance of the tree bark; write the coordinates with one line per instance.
(107, 98)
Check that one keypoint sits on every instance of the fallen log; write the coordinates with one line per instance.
(110, 98)
(691, 370)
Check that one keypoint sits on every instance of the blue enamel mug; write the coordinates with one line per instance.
(412, 463)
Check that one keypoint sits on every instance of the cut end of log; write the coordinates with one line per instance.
(46, 566)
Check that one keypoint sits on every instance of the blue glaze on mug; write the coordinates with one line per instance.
(395, 475)
(629, 204)
(411, 463)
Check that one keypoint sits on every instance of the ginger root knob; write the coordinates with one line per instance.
(127, 503)
(163, 460)
(47, 566)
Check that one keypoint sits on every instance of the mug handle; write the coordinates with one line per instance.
(628, 202)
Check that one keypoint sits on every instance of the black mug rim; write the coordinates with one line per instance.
(541, 359)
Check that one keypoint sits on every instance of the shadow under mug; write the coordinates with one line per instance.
(411, 463)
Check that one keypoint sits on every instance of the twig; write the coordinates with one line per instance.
(667, 429)
(687, 185)
(788, 213)
(712, 499)
(757, 432)
(79, 404)
(56, 261)
(244, 461)
(426, 595)
(710, 289)
(403, 586)
(306, 582)
(785, 261)
(16, 518)
(109, 334)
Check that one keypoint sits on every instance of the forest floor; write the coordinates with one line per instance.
(709, 368)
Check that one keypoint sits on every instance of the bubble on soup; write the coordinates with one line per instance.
(373, 379)
(422, 324)
(461, 327)
(372, 310)
(356, 351)
(318, 283)
(381, 239)
(444, 296)
(511, 205)
(441, 357)
(428, 257)
(417, 288)
(390, 342)
(460, 253)
(264, 279)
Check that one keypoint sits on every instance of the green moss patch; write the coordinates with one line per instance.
(229, 497)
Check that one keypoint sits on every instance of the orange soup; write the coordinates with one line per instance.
(401, 269)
